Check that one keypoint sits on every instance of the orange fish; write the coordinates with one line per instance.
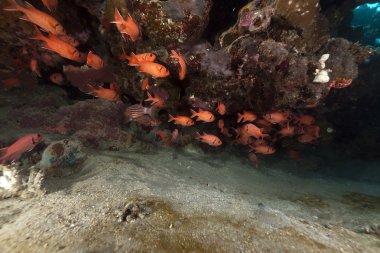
(221, 108)
(223, 130)
(313, 131)
(293, 154)
(247, 116)
(154, 69)
(57, 78)
(22, 145)
(34, 67)
(181, 120)
(264, 125)
(210, 139)
(306, 120)
(244, 139)
(174, 135)
(306, 138)
(182, 63)
(11, 83)
(136, 59)
(202, 115)
(94, 61)
(69, 39)
(60, 47)
(156, 101)
(287, 131)
(252, 130)
(253, 158)
(128, 27)
(164, 137)
(145, 84)
(50, 4)
(263, 149)
(38, 18)
(111, 94)
(276, 117)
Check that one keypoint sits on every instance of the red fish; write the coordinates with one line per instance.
(253, 158)
(287, 131)
(22, 145)
(263, 149)
(111, 94)
(94, 61)
(223, 130)
(182, 63)
(50, 4)
(181, 120)
(210, 139)
(156, 101)
(11, 83)
(57, 78)
(221, 108)
(145, 84)
(128, 27)
(306, 138)
(202, 115)
(276, 117)
(174, 135)
(340, 83)
(137, 59)
(306, 120)
(34, 67)
(247, 116)
(62, 48)
(38, 18)
(165, 138)
(154, 69)
(252, 130)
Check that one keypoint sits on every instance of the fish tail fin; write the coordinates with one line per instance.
(29, 6)
(171, 118)
(174, 54)
(198, 135)
(118, 17)
(13, 6)
(88, 89)
(240, 117)
(132, 59)
(193, 113)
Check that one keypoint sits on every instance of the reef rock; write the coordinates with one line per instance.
(95, 123)
(61, 158)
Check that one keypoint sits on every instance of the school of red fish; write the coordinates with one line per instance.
(258, 133)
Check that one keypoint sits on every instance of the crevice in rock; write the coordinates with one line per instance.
(223, 15)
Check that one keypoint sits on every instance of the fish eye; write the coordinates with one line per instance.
(38, 135)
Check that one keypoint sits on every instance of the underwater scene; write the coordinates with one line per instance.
(177, 126)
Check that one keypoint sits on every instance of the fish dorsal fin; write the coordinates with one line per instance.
(29, 6)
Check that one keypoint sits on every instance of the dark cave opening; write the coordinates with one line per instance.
(223, 15)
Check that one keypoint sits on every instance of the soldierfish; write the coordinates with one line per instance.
(221, 108)
(246, 116)
(111, 94)
(154, 69)
(94, 61)
(59, 46)
(22, 145)
(157, 101)
(203, 115)
(136, 59)
(210, 139)
(37, 17)
(182, 63)
(181, 120)
(263, 149)
(57, 78)
(128, 26)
